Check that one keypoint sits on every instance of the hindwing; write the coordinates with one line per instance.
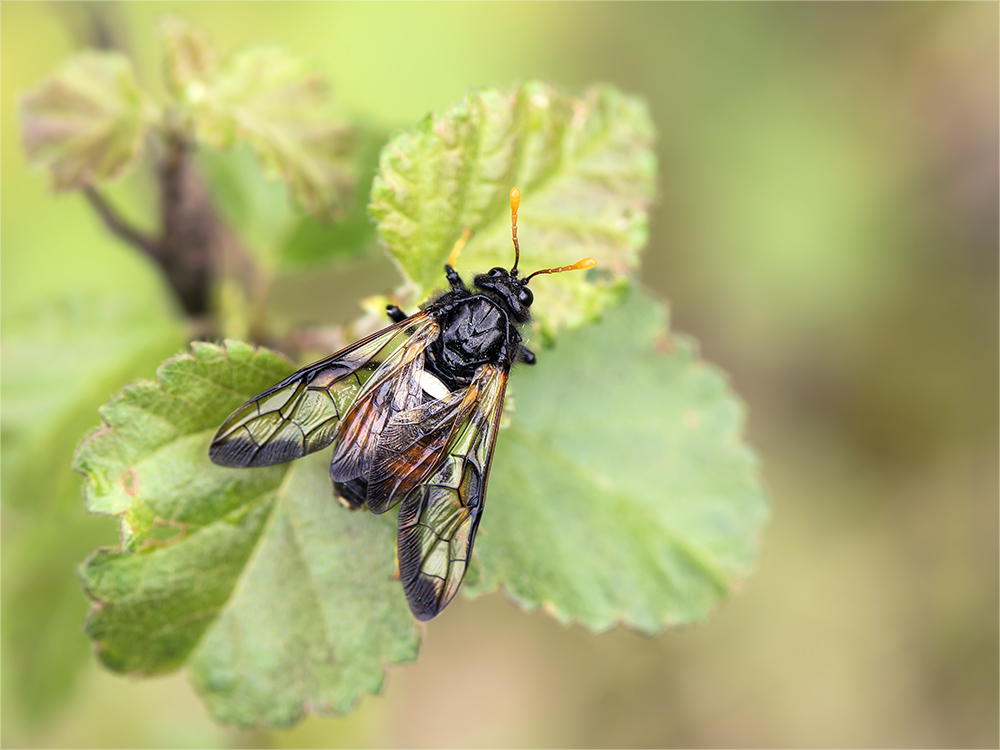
(439, 516)
(395, 390)
(378, 466)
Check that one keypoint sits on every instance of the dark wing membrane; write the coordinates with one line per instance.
(413, 445)
(302, 413)
(394, 388)
(395, 432)
(438, 518)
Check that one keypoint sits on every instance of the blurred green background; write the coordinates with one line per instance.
(827, 227)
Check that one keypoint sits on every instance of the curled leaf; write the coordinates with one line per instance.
(191, 59)
(281, 107)
(86, 122)
(586, 171)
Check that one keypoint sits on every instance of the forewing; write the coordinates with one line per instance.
(413, 444)
(395, 388)
(438, 519)
(302, 413)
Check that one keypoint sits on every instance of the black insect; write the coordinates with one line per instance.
(412, 412)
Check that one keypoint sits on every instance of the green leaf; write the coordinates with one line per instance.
(318, 615)
(586, 171)
(258, 210)
(61, 360)
(278, 597)
(255, 206)
(281, 107)
(313, 242)
(191, 59)
(623, 493)
(86, 122)
(42, 606)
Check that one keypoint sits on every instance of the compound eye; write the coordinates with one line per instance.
(525, 297)
(496, 273)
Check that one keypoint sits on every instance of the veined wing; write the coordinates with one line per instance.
(414, 443)
(397, 387)
(302, 413)
(438, 518)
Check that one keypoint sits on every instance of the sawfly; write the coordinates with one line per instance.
(412, 413)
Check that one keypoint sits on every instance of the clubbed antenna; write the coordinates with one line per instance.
(515, 201)
(578, 266)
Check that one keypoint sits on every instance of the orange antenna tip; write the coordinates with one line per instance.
(578, 266)
(515, 201)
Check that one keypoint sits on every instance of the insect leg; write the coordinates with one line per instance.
(454, 279)
(395, 314)
(527, 356)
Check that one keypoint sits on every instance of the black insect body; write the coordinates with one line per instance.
(479, 328)
(412, 412)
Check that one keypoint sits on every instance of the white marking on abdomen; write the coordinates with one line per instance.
(432, 386)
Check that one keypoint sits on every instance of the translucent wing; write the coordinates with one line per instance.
(398, 388)
(395, 436)
(438, 518)
(414, 444)
(302, 413)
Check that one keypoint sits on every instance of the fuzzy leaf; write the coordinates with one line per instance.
(621, 494)
(278, 598)
(86, 122)
(258, 210)
(275, 102)
(586, 171)
(191, 59)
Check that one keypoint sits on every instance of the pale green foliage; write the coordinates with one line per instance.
(317, 613)
(586, 171)
(259, 212)
(275, 102)
(86, 122)
(622, 494)
(61, 360)
(257, 208)
(191, 59)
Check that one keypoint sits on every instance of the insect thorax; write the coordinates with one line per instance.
(475, 330)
